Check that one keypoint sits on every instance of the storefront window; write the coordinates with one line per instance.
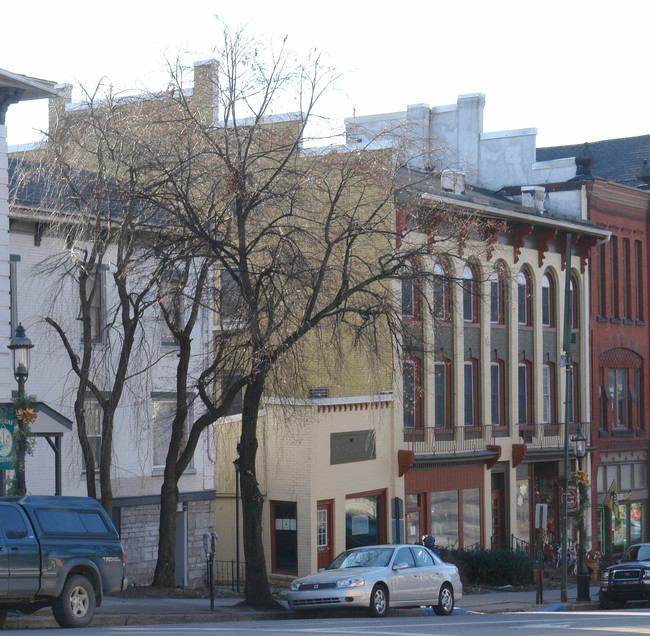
(471, 517)
(620, 534)
(637, 530)
(413, 527)
(444, 518)
(361, 516)
(523, 509)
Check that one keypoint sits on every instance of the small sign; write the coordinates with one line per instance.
(572, 498)
(6, 440)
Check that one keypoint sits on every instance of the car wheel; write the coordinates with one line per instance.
(379, 601)
(75, 607)
(3, 617)
(445, 604)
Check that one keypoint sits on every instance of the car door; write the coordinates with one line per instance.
(430, 575)
(405, 582)
(23, 551)
(4, 564)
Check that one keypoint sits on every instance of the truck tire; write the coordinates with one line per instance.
(75, 607)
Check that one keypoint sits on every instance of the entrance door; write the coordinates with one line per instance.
(284, 537)
(497, 527)
(324, 533)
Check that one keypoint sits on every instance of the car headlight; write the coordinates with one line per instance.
(646, 574)
(295, 585)
(353, 581)
(604, 577)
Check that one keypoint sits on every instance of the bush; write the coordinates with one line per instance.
(495, 567)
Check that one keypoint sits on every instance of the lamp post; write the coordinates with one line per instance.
(20, 345)
(580, 448)
(236, 464)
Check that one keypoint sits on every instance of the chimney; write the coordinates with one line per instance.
(453, 181)
(206, 90)
(533, 197)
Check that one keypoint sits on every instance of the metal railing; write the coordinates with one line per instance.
(551, 435)
(449, 441)
(225, 574)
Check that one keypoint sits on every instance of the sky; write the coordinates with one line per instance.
(573, 69)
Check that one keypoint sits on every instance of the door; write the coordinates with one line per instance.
(324, 533)
(23, 549)
(430, 576)
(406, 584)
(284, 537)
(497, 528)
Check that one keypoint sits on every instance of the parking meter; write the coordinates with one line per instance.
(210, 548)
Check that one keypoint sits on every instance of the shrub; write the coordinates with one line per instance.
(495, 567)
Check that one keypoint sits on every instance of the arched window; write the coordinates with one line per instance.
(412, 392)
(470, 383)
(441, 307)
(497, 296)
(524, 392)
(497, 392)
(548, 393)
(409, 296)
(548, 301)
(575, 305)
(524, 295)
(442, 394)
(469, 294)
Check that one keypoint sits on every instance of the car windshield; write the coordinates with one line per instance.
(637, 553)
(363, 558)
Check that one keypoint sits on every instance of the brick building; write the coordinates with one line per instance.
(613, 176)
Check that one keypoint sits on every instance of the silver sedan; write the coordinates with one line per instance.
(380, 576)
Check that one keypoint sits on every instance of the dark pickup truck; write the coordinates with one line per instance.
(62, 552)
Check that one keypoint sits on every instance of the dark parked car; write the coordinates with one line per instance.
(627, 580)
(61, 552)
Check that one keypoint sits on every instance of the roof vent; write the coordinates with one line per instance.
(316, 392)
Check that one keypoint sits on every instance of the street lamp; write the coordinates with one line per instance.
(580, 448)
(20, 345)
(236, 464)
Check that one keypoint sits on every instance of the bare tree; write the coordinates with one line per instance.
(305, 241)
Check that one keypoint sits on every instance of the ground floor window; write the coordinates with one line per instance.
(630, 530)
(523, 509)
(284, 536)
(471, 518)
(364, 520)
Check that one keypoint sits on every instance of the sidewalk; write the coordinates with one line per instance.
(156, 611)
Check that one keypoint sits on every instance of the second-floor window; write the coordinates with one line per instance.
(93, 419)
(412, 393)
(548, 393)
(470, 382)
(441, 306)
(441, 394)
(496, 392)
(523, 392)
(96, 302)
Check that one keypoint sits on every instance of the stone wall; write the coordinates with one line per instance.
(139, 532)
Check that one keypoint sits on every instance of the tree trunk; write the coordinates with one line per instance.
(257, 590)
(165, 565)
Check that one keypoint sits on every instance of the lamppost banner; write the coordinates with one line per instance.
(6, 440)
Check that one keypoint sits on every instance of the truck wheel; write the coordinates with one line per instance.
(75, 607)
